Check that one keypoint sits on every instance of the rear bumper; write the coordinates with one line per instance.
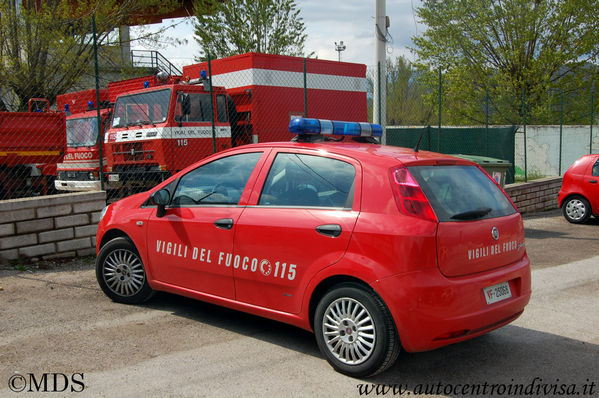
(432, 311)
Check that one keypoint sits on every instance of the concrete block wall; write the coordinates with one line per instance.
(536, 195)
(47, 227)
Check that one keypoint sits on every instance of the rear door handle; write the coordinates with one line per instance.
(332, 230)
(224, 223)
(593, 181)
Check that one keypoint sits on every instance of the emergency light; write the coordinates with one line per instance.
(146, 84)
(333, 127)
(90, 105)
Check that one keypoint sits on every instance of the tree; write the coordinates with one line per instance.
(239, 26)
(45, 47)
(507, 48)
(405, 95)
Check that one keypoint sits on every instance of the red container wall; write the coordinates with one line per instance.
(336, 90)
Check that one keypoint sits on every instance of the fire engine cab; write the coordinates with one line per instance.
(80, 168)
(159, 129)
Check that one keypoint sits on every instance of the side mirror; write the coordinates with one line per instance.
(161, 199)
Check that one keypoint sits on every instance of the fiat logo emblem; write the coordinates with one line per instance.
(495, 233)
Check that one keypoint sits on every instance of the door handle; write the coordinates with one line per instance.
(224, 223)
(593, 181)
(332, 230)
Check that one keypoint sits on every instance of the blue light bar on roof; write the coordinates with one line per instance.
(333, 127)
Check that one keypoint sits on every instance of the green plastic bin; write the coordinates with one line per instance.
(497, 168)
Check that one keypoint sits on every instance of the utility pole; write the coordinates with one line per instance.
(379, 109)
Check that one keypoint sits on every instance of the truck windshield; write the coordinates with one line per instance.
(82, 131)
(140, 109)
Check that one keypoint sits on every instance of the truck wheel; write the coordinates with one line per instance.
(121, 273)
(576, 209)
(355, 331)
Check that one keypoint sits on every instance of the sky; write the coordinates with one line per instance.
(327, 22)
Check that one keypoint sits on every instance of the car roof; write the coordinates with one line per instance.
(368, 152)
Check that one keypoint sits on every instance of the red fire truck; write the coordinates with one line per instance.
(30, 141)
(166, 124)
(80, 168)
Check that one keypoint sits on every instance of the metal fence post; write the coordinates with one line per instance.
(211, 103)
(305, 90)
(524, 122)
(561, 131)
(592, 117)
(487, 121)
(99, 124)
(440, 94)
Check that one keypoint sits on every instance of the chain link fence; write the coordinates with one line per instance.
(553, 127)
(151, 120)
(134, 133)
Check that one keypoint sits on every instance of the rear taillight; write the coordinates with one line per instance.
(409, 197)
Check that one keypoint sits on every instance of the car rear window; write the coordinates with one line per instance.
(461, 193)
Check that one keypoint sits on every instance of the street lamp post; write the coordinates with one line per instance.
(340, 47)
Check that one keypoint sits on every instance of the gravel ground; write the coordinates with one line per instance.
(55, 319)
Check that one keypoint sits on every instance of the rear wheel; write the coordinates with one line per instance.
(121, 273)
(355, 331)
(576, 209)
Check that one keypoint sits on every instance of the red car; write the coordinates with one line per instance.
(579, 196)
(371, 247)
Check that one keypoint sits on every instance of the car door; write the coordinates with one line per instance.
(198, 228)
(591, 183)
(299, 221)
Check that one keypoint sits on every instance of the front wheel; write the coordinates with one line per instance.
(576, 209)
(355, 331)
(121, 273)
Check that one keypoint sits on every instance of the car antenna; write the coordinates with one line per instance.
(419, 140)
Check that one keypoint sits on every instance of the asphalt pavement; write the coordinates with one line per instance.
(58, 323)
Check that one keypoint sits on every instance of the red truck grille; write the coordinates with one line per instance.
(132, 152)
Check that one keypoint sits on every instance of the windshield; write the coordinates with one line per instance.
(82, 132)
(141, 109)
(461, 193)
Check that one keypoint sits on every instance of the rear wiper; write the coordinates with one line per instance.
(472, 214)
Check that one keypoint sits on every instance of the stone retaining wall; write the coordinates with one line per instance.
(62, 226)
(49, 227)
(536, 195)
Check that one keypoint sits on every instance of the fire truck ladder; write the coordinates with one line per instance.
(154, 60)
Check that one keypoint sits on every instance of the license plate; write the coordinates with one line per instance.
(498, 292)
(113, 177)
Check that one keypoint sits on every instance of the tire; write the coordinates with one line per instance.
(576, 209)
(359, 338)
(121, 273)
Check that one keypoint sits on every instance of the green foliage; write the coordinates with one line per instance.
(240, 26)
(406, 104)
(509, 49)
(45, 47)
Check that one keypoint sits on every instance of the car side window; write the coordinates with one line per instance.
(596, 169)
(308, 181)
(220, 182)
